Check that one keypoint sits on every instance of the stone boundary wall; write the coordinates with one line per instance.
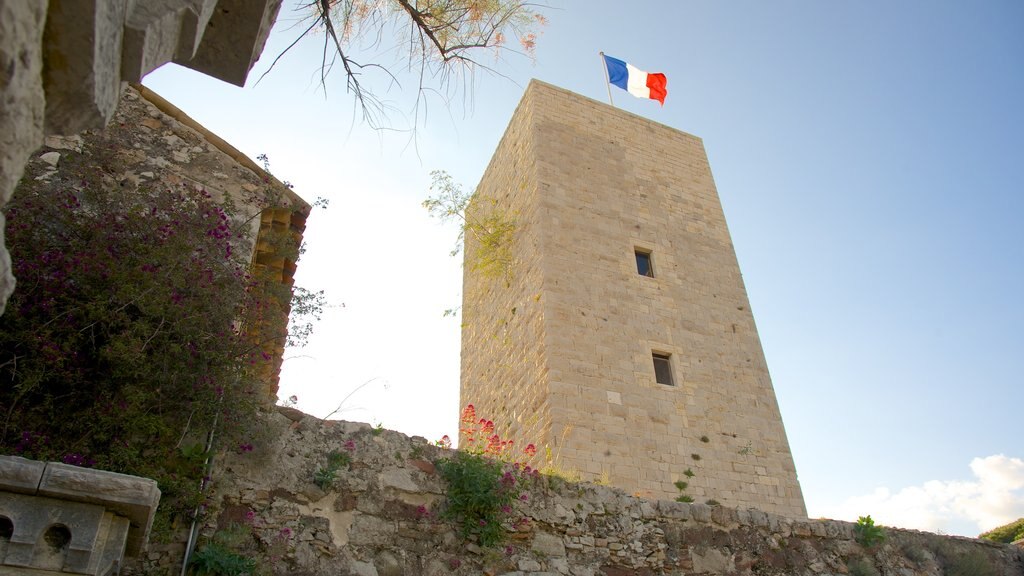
(381, 516)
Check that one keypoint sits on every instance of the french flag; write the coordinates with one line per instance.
(636, 81)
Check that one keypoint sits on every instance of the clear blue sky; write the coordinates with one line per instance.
(870, 161)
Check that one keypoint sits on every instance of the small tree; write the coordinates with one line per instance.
(490, 228)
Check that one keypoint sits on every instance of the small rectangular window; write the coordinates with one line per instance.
(643, 263)
(663, 369)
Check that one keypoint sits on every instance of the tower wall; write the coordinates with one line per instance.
(591, 185)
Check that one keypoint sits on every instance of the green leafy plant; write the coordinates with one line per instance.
(482, 485)
(325, 475)
(682, 485)
(866, 533)
(1007, 533)
(489, 229)
(712, 502)
(216, 559)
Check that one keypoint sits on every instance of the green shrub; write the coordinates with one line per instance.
(324, 476)
(973, 563)
(480, 494)
(481, 486)
(1007, 533)
(866, 533)
(215, 559)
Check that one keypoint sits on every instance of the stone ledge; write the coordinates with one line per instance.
(133, 497)
(20, 475)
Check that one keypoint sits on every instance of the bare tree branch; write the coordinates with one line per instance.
(441, 41)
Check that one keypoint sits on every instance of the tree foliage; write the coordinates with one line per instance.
(1006, 533)
(441, 41)
(490, 229)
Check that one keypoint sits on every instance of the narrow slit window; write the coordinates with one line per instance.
(644, 266)
(663, 369)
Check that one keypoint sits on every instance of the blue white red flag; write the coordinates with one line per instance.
(635, 81)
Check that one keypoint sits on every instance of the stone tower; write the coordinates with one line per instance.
(620, 340)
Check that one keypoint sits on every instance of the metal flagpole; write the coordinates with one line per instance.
(607, 80)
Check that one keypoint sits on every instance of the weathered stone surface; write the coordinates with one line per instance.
(548, 544)
(20, 474)
(234, 39)
(97, 537)
(130, 496)
(193, 24)
(21, 105)
(82, 76)
(152, 32)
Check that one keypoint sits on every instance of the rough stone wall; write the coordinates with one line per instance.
(590, 184)
(381, 516)
(21, 105)
(63, 65)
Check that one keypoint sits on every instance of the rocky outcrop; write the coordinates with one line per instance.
(63, 65)
(382, 515)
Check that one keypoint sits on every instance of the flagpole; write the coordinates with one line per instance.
(607, 80)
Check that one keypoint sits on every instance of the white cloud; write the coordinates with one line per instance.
(993, 498)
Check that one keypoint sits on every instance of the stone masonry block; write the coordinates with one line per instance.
(193, 24)
(21, 105)
(152, 33)
(131, 496)
(83, 63)
(20, 475)
(234, 39)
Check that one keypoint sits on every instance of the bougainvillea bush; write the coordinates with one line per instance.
(125, 341)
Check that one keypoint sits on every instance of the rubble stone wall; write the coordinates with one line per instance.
(382, 516)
